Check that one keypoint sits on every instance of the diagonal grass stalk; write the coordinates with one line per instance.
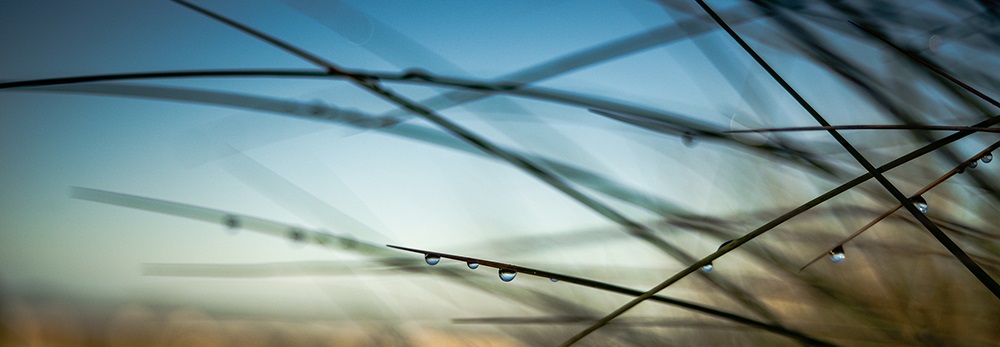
(869, 127)
(374, 86)
(977, 271)
(622, 290)
(923, 190)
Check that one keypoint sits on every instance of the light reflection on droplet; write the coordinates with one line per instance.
(837, 254)
(708, 267)
(432, 259)
(507, 275)
(473, 265)
(919, 203)
(986, 158)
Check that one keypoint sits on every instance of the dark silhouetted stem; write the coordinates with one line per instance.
(886, 214)
(626, 291)
(977, 271)
(868, 127)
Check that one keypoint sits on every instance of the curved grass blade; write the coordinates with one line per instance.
(622, 290)
(633, 321)
(869, 127)
(282, 106)
(923, 190)
(703, 130)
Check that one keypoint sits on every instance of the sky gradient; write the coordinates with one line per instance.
(257, 148)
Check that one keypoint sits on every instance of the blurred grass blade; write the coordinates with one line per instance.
(283, 192)
(348, 117)
(286, 269)
(927, 64)
(374, 86)
(297, 234)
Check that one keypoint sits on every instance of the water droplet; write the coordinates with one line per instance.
(933, 43)
(416, 74)
(233, 223)
(317, 108)
(837, 254)
(919, 203)
(961, 169)
(708, 267)
(507, 275)
(296, 235)
(688, 140)
(473, 265)
(554, 279)
(986, 158)
(973, 164)
(432, 259)
(357, 29)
